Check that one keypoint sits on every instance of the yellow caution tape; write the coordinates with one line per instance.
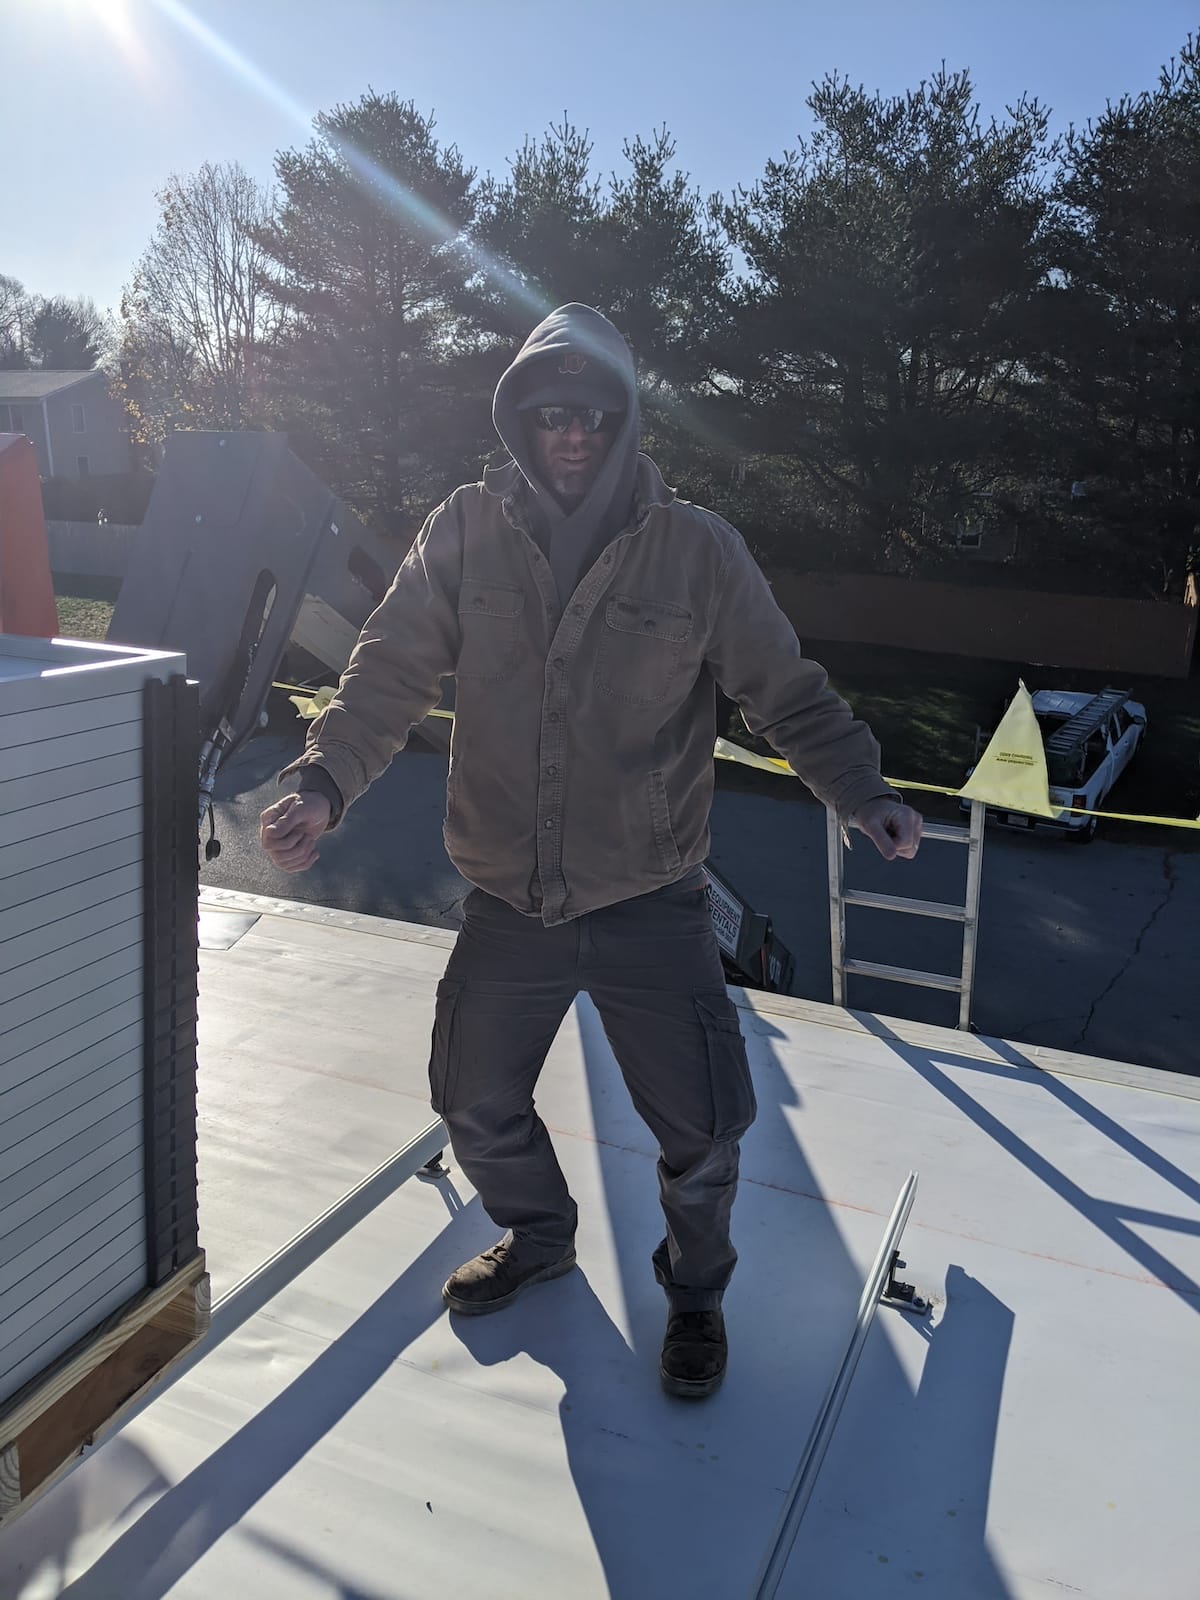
(310, 703)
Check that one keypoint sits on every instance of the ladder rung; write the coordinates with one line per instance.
(926, 980)
(896, 902)
(947, 831)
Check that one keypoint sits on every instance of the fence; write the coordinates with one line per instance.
(1141, 637)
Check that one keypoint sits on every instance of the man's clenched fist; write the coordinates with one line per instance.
(892, 827)
(288, 831)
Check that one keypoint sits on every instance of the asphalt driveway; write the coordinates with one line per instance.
(1093, 949)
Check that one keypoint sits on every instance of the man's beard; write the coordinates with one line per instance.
(569, 498)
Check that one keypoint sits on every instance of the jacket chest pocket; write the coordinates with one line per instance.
(640, 649)
(489, 621)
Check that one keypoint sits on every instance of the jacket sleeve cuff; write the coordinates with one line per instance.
(857, 793)
(313, 777)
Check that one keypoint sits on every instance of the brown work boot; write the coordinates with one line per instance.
(494, 1279)
(694, 1354)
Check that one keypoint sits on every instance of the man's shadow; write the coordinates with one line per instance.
(791, 1307)
(658, 1522)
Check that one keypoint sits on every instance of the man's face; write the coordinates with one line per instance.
(568, 463)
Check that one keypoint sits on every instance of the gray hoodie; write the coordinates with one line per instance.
(574, 357)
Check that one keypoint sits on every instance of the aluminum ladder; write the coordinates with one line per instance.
(968, 914)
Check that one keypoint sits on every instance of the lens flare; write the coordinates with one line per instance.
(438, 228)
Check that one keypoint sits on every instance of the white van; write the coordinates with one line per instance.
(1089, 740)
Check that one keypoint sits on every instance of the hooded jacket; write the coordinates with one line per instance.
(574, 357)
(581, 761)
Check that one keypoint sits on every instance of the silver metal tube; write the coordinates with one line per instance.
(805, 1480)
(971, 925)
(837, 906)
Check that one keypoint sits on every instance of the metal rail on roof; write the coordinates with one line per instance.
(805, 1480)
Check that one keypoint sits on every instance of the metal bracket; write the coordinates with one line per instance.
(902, 1296)
(434, 1168)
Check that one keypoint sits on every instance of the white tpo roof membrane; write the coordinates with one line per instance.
(1036, 1436)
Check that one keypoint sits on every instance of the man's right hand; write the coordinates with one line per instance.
(288, 831)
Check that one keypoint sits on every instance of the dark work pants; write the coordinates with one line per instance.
(652, 968)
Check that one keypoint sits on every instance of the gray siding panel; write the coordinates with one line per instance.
(74, 1245)
(51, 754)
(27, 1165)
(78, 715)
(95, 1289)
(65, 1175)
(76, 777)
(53, 816)
(29, 855)
(64, 980)
(49, 1261)
(111, 923)
(72, 1322)
(77, 1283)
(121, 1179)
(40, 1074)
(54, 1107)
(120, 1001)
(44, 882)
(19, 921)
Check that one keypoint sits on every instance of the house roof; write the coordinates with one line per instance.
(539, 1442)
(40, 385)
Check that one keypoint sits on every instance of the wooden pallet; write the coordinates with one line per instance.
(53, 1419)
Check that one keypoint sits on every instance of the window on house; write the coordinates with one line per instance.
(78, 421)
(84, 465)
(12, 419)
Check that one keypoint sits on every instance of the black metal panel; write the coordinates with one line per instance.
(171, 957)
(237, 532)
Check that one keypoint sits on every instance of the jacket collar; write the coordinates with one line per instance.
(649, 488)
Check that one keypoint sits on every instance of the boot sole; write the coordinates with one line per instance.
(480, 1308)
(697, 1389)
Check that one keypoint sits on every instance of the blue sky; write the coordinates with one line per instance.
(100, 100)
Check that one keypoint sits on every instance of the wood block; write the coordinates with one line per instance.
(52, 1420)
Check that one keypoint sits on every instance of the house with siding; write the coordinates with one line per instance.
(76, 425)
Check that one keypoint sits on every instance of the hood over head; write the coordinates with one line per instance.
(575, 357)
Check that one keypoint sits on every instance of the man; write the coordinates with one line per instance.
(587, 616)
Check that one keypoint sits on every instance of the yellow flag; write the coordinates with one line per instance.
(312, 705)
(1012, 770)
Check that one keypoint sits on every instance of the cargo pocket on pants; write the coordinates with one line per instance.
(734, 1105)
(445, 1054)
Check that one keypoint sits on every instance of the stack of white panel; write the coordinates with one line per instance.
(72, 1202)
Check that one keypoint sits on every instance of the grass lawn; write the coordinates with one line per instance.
(83, 618)
(85, 605)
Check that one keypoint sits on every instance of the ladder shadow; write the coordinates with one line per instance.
(1107, 1216)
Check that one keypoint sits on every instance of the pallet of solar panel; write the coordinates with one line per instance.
(83, 1220)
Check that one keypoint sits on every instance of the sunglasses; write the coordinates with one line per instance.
(557, 419)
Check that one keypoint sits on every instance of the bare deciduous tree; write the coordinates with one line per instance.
(197, 320)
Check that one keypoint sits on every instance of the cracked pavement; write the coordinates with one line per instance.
(1094, 949)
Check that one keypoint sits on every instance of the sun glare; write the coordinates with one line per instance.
(121, 20)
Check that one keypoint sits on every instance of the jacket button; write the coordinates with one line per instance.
(576, 611)
(552, 772)
(649, 623)
(549, 822)
(559, 662)
(553, 717)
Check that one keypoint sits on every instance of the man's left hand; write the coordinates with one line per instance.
(892, 827)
